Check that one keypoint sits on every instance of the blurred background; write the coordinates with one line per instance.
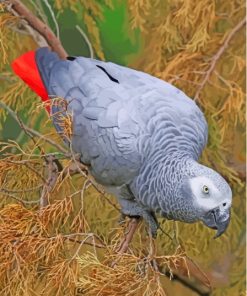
(199, 46)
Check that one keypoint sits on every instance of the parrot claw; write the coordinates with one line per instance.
(132, 209)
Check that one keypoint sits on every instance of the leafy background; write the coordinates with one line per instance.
(183, 42)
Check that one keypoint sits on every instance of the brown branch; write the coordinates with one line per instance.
(218, 55)
(25, 29)
(192, 284)
(197, 280)
(124, 245)
(53, 167)
(39, 26)
(185, 271)
(132, 227)
(73, 169)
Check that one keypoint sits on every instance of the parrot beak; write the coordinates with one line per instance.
(217, 219)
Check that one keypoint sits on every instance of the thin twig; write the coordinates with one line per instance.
(87, 41)
(87, 243)
(88, 235)
(22, 201)
(32, 131)
(53, 17)
(218, 55)
(21, 190)
(39, 26)
(91, 234)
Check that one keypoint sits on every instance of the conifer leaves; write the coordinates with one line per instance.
(189, 47)
(6, 20)
(72, 242)
(199, 47)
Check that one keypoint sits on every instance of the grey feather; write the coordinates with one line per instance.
(134, 130)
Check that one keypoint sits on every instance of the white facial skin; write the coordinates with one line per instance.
(207, 196)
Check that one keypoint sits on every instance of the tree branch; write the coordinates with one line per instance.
(218, 55)
(30, 130)
(197, 280)
(39, 26)
(71, 236)
(22, 201)
(38, 6)
(190, 283)
(53, 17)
(53, 167)
(132, 227)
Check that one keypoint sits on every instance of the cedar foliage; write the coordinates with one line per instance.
(72, 242)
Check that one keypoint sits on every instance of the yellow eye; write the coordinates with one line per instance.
(205, 189)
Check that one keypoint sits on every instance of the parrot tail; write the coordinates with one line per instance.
(26, 68)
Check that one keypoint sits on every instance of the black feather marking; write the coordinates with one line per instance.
(104, 70)
(71, 58)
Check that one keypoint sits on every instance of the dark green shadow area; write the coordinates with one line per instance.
(120, 44)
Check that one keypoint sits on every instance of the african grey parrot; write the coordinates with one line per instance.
(140, 136)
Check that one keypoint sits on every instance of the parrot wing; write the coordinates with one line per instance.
(115, 112)
(106, 130)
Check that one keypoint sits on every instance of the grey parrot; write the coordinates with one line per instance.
(140, 136)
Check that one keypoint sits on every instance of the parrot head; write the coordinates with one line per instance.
(212, 198)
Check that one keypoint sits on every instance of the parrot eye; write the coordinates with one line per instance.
(205, 189)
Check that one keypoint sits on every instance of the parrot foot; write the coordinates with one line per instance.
(133, 209)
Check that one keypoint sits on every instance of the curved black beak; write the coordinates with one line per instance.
(217, 219)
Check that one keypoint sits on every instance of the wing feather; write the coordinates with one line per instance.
(116, 125)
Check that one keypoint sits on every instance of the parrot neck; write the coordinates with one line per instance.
(158, 185)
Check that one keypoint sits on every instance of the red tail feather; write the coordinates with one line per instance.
(25, 67)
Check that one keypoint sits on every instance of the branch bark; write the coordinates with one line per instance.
(218, 55)
(38, 26)
(193, 285)
(132, 227)
(53, 167)
(197, 280)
